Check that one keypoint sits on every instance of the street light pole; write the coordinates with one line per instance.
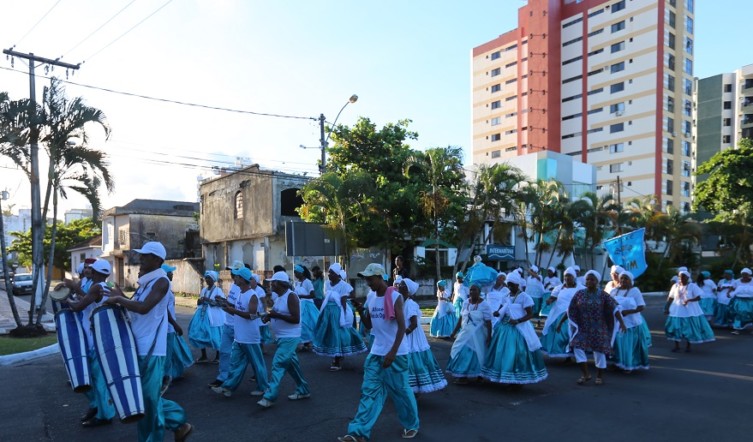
(325, 139)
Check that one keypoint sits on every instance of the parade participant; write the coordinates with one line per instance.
(101, 408)
(497, 296)
(285, 320)
(459, 293)
(552, 280)
(247, 340)
(304, 289)
(723, 288)
(685, 319)
(205, 328)
(741, 302)
(178, 356)
(614, 272)
(424, 373)
(228, 330)
(386, 366)
(514, 355)
(335, 336)
(533, 286)
(318, 283)
(631, 347)
(399, 270)
(592, 313)
(555, 336)
(148, 313)
(708, 299)
(474, 332)
(443, 320)
(265, 299)
(579, 278)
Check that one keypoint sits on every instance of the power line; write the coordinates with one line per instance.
(129, 30)
(98, 29)
(36, 24)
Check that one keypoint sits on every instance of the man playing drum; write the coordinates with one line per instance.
(148, 313)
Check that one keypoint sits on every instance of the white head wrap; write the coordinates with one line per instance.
(571, 271)
(617, 269)
(411, 285)
(746, 271)
(628, 274)
(336, 268)
(596, 274)
(515, 278)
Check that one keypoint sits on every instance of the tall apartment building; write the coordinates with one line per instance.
(725, 111)
(609, 81)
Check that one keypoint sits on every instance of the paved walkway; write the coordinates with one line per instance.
(6, 316)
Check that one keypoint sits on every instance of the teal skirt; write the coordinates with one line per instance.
(424, 373)
(465, 364)
(537, 303)
(458, 304)
(444, 326)
(545, 308)
(178, 356)
(708, 305)
(741, 312)
(631, 348)
(508, 359)
(265, 334)
(555, 345)
(309, 315)
(694, 329)
(200, 333)
(330, 339)
(721, 315)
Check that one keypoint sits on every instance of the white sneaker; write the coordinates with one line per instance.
(298, 396)
(265, 403)
(257, 393)
(223, 391)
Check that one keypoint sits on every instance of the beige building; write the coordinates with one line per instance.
(609, 82)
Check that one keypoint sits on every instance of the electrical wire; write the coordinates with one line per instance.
(126, 32)
(98, 29)
(36, 24)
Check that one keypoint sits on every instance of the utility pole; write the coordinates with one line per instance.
(37, 223)
(323, 141)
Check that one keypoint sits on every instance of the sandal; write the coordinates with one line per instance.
(409, 434)
(351, 438)
(583, 379)
(599, 381)
(183, 431)
(334, 367)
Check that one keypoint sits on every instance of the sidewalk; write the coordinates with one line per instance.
(6, 316)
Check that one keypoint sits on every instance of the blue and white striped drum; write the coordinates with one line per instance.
(73, 347)
(116, 349)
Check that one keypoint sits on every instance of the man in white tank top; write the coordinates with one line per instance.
(285, 319)
(385, 371)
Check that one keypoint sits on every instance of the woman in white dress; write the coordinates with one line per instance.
(631, 347)
(474, 332)
(205, 328)
(304, 289)
(614, 272)
(708, 298)
(741, 304)
(553, 343)
(685, 319)
(444, 319)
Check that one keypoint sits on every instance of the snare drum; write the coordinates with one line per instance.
(116, 348)
(73, 347)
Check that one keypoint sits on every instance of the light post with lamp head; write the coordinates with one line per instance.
(324, 138)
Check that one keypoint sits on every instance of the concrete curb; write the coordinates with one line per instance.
(18, 358)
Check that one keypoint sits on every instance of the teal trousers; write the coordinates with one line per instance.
(286, 361)
(159, 413)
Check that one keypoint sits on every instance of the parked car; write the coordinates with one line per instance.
(21, 284)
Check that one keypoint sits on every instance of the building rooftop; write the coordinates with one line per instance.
(155, 207)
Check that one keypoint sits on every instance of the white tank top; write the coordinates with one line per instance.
(280, 328)
(384, 331)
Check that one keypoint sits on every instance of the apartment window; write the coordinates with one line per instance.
(671, 82)
(496, 154)
(496, 104)
(496, 121)
(511, 131)
(572, 60)
(596, 91)
(689, 45)
(511, 81)
(572, 97)
(617, 67)
(669, 168)
(670, 145)
(689, 24)
(238, 205)
(673, 3)
(510, 115)
(686, 128)
(727, 105)
(570, 117)
(727, 122)
(686, 189)
(573, 41)
(617, 108)
(510, 149)
(617, 87)
(496, 137)
(617, 148)
(670, 104)
(686, 148)
(727, 88)
(687, 108)
(669, 188)
(496, 55)
(593, 131)
(617, 47)
(726, 139)
(688, 86)
(511, 64)
(496, 71)
(615, 168)
(671, 62)
(595, 111)
(598, 51)
(619, 6)
(616, 27)
(689, 66)
(514, 97)
(596, 12)
(672, 17)
(597, 71)
(686, 168)
(619, 127)
(571, 79)
(568, 24)
(596, 32)
(510, 48)
(670, 125)
(689, 5)
(671, 41)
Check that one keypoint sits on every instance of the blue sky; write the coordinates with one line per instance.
(404, 59)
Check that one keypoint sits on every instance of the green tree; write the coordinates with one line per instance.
(595, 215)
(68, 235)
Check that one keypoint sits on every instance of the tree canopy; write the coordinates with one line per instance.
(68, 235)
(727, 191)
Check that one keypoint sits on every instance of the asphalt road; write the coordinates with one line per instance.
(704, 395)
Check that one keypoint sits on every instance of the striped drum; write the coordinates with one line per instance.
(116, 349)
(73, 348)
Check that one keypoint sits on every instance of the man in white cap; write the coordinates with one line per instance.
(551, 281)
(741, 304)
(148, 313)
(285, 318)
(385, 370)
(101, 409)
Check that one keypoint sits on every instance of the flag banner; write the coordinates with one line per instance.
(628, 251)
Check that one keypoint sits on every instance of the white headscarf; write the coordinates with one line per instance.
(596, 274)
(570, 271)
(411, 285)
(628, 274)
(617, 269)
(515, 278)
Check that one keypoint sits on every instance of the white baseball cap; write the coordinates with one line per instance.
(153, 248)
(101, 266)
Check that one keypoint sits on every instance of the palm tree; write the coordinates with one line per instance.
(680, 233)
(595, 215)
(546, 209)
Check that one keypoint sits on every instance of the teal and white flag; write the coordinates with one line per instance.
(628, 251)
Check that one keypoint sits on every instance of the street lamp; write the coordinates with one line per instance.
(325, 139)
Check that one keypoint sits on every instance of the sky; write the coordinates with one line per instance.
(404, 60)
